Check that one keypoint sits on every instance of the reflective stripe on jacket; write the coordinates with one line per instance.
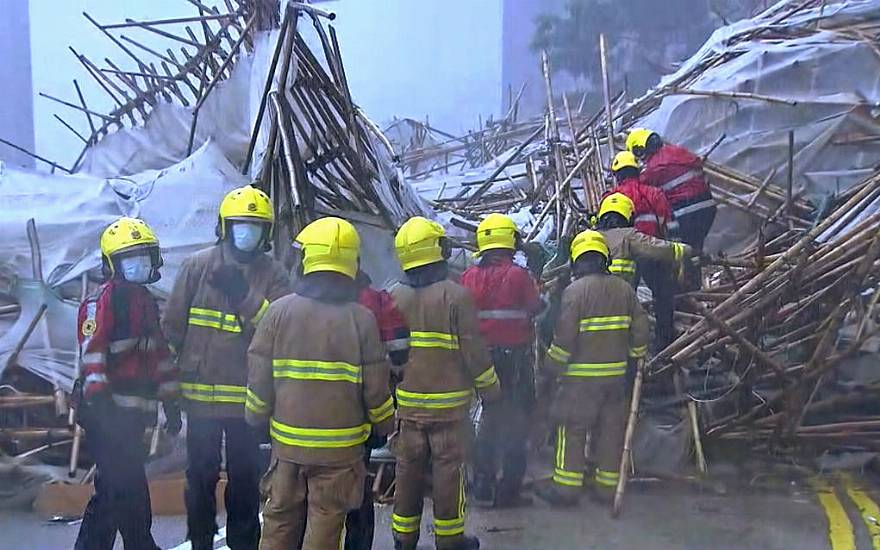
(678, 173)
(210, 335)
(652, 213)
(318, 374)
(600, 326)
(629, 247)
(122, 347)
(507, 297)
(448, 361)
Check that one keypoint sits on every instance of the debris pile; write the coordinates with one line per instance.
(769, 337)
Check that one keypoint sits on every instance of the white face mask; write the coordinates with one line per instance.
(246, 236)
(136, 269)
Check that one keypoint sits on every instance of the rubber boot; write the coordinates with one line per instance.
(405, 545)
(484, 490)
(555, 497)
(469, 542)
(601, 495)
(507, 495)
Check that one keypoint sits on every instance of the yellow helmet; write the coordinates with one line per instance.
(624, 159)
(496, 231)
(589, 241)
(619, 203)
(418, 243)
(637, 139)
(248, 204)
(330, 244)
(126, 235)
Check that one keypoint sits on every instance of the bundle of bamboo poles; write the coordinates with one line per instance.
(771, 320)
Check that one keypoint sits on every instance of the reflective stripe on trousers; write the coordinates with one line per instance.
(454, 526)
(606, 478)
(560, 474)
(214, 393)
(405, 524)
(675, 182)
(691, 208)
(319, 438)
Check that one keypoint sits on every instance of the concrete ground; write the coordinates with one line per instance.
(750, 512)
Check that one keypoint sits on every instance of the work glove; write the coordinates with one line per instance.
(173, 421)
(231, 282)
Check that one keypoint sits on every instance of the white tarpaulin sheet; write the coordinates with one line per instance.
(70, 212)
(810, 59)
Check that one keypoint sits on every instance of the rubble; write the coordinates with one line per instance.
(790, 290)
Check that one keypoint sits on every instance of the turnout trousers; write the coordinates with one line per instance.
(115, 437)
(441, 449)
(693, 229)
(305, 505)
(204, 438)
(502, 438)
(360, 523)
(600, 410)
(659, 278)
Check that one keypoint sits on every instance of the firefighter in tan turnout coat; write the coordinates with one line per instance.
(600, 327)
(319, 377)
(219, 298)
(448, 363)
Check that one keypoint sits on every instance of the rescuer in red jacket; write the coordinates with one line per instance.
(126, 367)
(679, 173)
(360, 523)
(507, 299)
(652, 213)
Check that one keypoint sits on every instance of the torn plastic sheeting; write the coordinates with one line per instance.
(71, 212)
(50, 350)
(833, 127)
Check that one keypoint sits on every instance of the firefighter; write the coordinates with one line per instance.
(634, 253)
(448, 362)
(218, 300)
(126, 368)
(318, 382)
(507, 299)
(651, 209)
(600, 327)
(679, 174)
(360, 523)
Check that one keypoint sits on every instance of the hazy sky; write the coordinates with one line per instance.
(440, 58)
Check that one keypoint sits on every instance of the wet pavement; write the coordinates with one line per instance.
(756, 511)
